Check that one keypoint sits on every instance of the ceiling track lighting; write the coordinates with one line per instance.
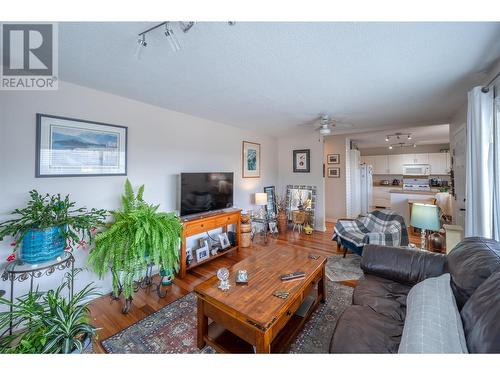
(401, 145)
(184, 26)
(397, 136)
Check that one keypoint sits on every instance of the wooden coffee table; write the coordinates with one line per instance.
(248, 318)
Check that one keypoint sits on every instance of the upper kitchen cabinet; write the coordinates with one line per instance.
(396, 162)
(379, 163)
(439, 163)
(420, 159)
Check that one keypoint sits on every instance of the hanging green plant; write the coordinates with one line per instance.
(139, 235)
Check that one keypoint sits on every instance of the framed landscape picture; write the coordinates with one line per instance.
(334, 172)
(301, 161)
(251, 159)
(333, 159)
(67, 147)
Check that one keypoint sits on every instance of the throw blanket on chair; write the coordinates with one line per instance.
(378, 227)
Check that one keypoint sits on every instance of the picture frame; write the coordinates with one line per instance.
(189, 255)
(302, 161)
(271, 199)
(333, 158)
(202, 253)
(224, 240)
(250, 157)
(69, 147)
(334, 172)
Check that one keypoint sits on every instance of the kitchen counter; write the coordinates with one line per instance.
(413, 192)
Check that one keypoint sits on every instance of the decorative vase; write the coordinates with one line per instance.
(42, 245)
(282, 222)
(167, 276)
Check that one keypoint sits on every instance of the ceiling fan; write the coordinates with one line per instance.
(325, 124)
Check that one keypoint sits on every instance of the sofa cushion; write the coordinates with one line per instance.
(384, 296)
(433, 323)
(362, 330)
(470, 263)
(481, 317)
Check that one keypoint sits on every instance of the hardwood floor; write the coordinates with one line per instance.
(106, 313)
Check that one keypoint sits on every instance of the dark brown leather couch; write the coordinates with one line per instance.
(374, 323)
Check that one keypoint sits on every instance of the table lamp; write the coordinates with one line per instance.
(261, 200)
(425, 217)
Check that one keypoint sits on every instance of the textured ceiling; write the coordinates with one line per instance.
(273, 76)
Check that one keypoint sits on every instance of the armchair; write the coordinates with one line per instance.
(378, 227)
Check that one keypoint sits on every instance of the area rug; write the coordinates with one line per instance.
(339, 268)
(173, 328)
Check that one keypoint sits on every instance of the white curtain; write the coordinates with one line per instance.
(482, 170)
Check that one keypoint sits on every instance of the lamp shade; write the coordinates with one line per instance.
(261, 199)
(425, 216)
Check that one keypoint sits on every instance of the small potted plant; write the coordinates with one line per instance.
(48, 322)
(138, 236)
(48, 225)
(281, 217)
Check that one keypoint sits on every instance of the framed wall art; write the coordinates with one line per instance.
(251, 159)
(333, 158)
(334, 172)
(302, 161)
(271, 199)
(67, 147)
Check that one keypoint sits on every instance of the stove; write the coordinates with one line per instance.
(416, 184)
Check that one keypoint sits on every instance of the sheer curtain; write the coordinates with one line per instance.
(483, 169)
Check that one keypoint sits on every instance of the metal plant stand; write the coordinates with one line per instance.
(264, 223)
(144, 282)
(21, 271)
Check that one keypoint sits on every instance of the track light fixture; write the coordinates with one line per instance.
(397, 136)
(172, 39)
(401, 145)
(141, 44)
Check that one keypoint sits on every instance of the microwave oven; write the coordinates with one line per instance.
(416, 169)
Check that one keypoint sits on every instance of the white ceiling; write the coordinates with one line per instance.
(422, 135)
(271, 77)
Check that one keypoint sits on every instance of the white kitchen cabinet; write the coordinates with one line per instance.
(380, 164)
(396, 162)
(439, 163)
(382, 196)
(421, 158)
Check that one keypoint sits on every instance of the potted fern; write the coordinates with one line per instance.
(48, 225)
(139, 235)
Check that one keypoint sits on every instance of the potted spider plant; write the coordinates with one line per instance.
(48, 225)
(48, 322)
(138, 236)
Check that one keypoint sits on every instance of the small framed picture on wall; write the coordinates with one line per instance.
(301, 161)
(334, 172)
(250, 159)
(333, 158)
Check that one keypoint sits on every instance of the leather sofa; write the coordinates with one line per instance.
(374, 323)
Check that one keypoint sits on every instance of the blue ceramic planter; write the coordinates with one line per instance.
(42, 245)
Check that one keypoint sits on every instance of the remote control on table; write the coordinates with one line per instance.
(292, 276)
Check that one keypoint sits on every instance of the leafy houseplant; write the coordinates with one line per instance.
(48, 225)
(48, 322)
(138, 236)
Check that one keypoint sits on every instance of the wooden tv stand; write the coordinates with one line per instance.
(197, 224)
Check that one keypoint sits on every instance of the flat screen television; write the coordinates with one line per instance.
(204, 192)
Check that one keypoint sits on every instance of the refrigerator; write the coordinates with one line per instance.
(359, 186)
(366, 186)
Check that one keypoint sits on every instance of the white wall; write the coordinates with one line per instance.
(286, 145)
(161, 144)
(335, 188)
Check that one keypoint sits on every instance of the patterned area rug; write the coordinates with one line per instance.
(173, 328)
(341, 269)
